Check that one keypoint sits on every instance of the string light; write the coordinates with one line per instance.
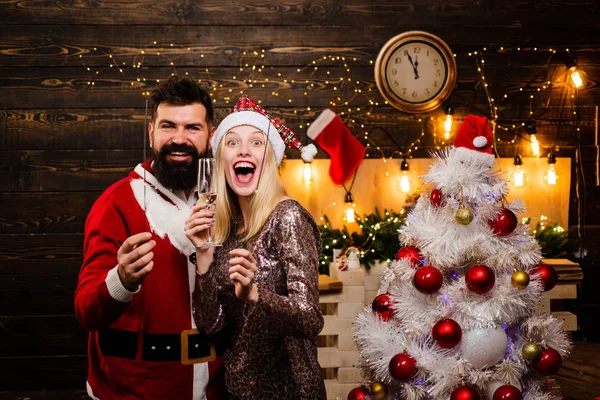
(338, 72)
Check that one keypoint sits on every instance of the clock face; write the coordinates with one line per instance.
(416, 72)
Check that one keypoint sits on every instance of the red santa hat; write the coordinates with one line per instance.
(345, 151)
(475, 134)
(248, 112)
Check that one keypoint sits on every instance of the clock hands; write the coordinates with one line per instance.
(414, 65)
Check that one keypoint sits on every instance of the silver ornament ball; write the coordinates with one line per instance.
(483, 347)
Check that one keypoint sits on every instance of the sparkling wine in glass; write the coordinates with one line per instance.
(207, 187)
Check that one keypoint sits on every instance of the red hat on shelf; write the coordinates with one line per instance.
(475, 135)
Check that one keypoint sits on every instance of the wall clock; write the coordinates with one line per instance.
(415, 71)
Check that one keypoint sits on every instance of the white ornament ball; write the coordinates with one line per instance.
(479, 142)
(483, 347)
(493, 385)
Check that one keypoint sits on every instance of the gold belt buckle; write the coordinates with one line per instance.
(185, 344)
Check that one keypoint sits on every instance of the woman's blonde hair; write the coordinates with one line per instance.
(269, 192)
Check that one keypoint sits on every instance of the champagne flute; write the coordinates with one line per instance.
(207, 188)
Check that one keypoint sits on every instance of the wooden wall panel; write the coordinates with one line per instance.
(63, 141)
(349, 13)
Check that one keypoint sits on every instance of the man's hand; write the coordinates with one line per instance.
(241, 272)
(135, 260)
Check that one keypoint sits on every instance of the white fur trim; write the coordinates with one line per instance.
(165, 218)
(201, 377)
(116, 289)
(474, 155)
(320, 123)
(480, 142)
(252, 118)
(89, 391)
(308, 152)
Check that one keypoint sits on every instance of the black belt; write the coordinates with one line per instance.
(189, 347)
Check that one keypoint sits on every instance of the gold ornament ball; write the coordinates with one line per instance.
(463, 215)
(520, 279)
(378, 390)
(531, 351)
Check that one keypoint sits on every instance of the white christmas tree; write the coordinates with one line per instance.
(454, 316)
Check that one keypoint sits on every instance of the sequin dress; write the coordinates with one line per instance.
(273, 352)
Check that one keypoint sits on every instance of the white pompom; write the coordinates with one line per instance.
(480, 141)
(308, 152)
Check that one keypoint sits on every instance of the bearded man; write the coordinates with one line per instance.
(135, 284)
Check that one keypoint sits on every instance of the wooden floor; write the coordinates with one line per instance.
(579, 379)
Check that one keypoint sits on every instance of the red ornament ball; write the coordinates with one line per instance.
(446, 333)
(508, 392)
(548, 275)
(428, 279)
(549, 362)
(410, 253)
(382, 305)
(464, 393)
(358, 393)
(436, 198)
(403, 367)
(504, 223)
(480, 278)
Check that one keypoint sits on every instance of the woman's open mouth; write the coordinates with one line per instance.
(244, 171)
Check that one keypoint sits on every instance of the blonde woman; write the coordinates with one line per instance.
(262, 284)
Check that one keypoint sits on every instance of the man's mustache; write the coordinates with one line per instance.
(178, 148)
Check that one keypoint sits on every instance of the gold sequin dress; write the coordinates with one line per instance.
(273, 352)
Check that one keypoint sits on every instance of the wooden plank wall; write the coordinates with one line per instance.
(64, 140)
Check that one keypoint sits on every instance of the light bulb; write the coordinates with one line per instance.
(535, 145)
(448, 123)
(349, 214)
(519, 177)
(551, 176)
(577, 78)
(404, 182)
(349, 208)
(307, 173)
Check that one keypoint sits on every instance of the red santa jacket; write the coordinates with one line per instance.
(143, 345)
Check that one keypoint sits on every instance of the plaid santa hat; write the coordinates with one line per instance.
(475, 135)
(248, 112)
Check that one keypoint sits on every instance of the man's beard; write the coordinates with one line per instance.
(176, 175)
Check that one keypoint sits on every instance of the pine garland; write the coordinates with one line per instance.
(553, 238)
(377, 238)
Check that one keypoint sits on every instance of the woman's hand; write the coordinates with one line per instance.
(199, 223)
(242, 268)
